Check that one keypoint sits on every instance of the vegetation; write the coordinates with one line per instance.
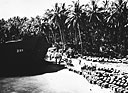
(92, 30)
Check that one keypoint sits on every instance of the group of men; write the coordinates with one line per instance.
(58, 54)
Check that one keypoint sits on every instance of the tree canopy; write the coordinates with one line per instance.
(93, 30)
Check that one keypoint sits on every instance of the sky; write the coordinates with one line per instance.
(28, 8)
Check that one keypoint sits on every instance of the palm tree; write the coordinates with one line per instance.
(96, 24)
(57, 17)
(118, 21)
(74, 21)
(47, 30)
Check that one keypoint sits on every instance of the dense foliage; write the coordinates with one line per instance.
(92, 30)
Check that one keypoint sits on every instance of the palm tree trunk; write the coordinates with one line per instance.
(76, 37)
(53, 35)
(78, 27)
(61, 35)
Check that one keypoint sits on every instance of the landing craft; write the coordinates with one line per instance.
(23, 55)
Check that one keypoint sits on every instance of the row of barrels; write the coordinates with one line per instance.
(118, 83)
(107, 77)
(102, 59)
(102, 69)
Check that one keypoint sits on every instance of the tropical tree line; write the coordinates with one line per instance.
(89, 28)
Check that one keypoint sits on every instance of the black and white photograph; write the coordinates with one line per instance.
(63, 46)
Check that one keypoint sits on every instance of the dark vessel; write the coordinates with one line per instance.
(20, 56)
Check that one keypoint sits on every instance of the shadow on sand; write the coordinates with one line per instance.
(19, 70)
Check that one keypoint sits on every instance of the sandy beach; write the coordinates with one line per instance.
(63, 81)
